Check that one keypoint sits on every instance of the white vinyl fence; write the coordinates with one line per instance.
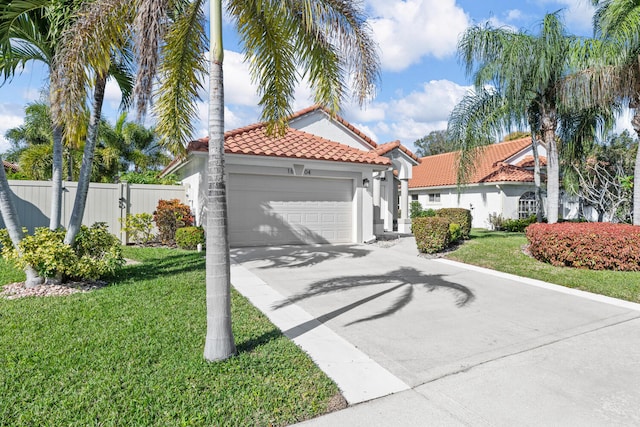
(105, 202)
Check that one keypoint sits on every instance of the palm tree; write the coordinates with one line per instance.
(617, 76)
(528, 73)
(327, 41)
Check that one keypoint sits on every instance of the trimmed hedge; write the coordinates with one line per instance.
(431, 233)
(458, 216)
(596, 246)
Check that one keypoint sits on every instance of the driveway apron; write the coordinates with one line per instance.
(482, 348)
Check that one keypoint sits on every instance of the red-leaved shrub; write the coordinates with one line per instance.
(596, 246)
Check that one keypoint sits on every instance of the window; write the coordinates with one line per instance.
(527, 205)
(434, 197)
(414, 197)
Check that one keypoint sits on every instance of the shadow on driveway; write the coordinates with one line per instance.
(405, 280)
(296, 256)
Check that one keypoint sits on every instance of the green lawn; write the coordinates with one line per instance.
(131, 354)
(503, 252)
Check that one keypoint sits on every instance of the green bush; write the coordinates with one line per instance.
(169, 216)
(416, 211)
(455, 232)
(518, 225)
(458, 216)
(97, 253)
(189, 237)
(431, 234)
(138, 227)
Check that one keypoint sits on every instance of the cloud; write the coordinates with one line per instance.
(11, 116)
(412, 116)
(577, 14)
(407, 30)
(238, 88)
(432, 103)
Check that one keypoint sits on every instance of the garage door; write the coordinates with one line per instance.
(275, 210)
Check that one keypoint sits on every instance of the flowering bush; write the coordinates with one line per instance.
(596, 246)
(169, 216)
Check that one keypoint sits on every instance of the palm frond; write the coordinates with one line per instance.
(181, 74)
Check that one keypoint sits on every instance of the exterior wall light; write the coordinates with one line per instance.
(365, 183)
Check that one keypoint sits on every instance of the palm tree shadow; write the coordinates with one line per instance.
(406, 279)
(297, 256)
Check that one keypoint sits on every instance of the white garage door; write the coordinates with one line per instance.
(276, 210)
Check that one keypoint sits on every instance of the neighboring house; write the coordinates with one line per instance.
(10, 167)
(501, 182)
(324, 181)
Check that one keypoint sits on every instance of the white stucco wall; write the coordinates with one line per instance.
(318, 123)
(482, 200)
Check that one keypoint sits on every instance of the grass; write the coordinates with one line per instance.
(131, 354)
(502, 251)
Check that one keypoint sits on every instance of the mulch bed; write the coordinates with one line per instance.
(19, 290)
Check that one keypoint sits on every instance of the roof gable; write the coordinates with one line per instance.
(490, 166)
(253, 140)
(319, 121)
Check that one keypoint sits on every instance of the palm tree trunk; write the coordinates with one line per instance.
(635, 122)
(536, 177)
(80, 201)
(10, 218)
(549, 123)
(219, 342)
(56, 179)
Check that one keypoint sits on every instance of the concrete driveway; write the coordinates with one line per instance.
(457, 345)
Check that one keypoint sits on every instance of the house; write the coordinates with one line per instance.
(324, 181)
(502, 182)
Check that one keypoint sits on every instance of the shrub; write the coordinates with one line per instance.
(496, 221)
(458, 216)
(189, 237)
(596, 246)
(518, 225)
(431, 234)
(169, 216)
(455, 233)
(96, 253)
(138, 227)
(99, 252)
(416, 211)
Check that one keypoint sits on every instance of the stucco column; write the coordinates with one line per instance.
(404, 223)
(378, 222)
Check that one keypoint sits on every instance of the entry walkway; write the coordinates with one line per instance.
(448, 344)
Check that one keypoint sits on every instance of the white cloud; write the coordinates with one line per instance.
(431, 104)
(578, 14)
(238, 88)
(407, 30)
(112, 94)
(513, 15)
(11, 116)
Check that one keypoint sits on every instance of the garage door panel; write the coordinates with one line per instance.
(270, 210)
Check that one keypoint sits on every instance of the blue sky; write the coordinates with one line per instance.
(421, 78)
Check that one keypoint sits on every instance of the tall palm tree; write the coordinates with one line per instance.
(327, 41)
(528, 73)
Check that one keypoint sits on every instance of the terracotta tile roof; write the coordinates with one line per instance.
(527, 162)
(441, 169)
(339, 119)
(390, 146)
(10, 166)
(509, 173)
(296, 144)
